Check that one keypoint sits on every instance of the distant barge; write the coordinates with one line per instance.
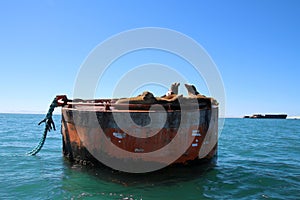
(267, 116)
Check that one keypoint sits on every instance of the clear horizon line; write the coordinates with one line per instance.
(59, 113)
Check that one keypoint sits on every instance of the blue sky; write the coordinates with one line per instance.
(255, 45)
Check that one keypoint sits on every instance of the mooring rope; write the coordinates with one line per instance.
(49, 125)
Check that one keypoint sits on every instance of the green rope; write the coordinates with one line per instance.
(49, 125)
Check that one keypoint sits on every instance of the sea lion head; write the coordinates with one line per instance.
(148, 97)
(191, 89)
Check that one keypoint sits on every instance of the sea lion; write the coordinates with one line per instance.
(148, 98)
(171, 95)
(193, 93)
(145, 98)
(173, 90)
(168, 99)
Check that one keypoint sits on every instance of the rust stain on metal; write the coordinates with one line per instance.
(78, 133)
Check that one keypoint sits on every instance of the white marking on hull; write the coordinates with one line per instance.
(119, 135)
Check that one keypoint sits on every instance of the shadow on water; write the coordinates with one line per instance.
(166, 176)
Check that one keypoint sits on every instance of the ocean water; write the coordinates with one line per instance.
(257, 159)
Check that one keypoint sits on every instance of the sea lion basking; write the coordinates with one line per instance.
(148, 98)
(145, 98)
(173, 90)
(193, 93)
(172, 93)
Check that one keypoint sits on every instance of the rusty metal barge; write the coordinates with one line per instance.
(150, 135)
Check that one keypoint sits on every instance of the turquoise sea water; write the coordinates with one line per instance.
(257, 159)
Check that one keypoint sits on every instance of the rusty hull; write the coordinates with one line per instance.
(86, 127)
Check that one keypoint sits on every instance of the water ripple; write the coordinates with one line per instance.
(258, 159)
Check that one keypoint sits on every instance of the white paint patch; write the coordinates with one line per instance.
(119, 135)
(138, 150)
(196, 133)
